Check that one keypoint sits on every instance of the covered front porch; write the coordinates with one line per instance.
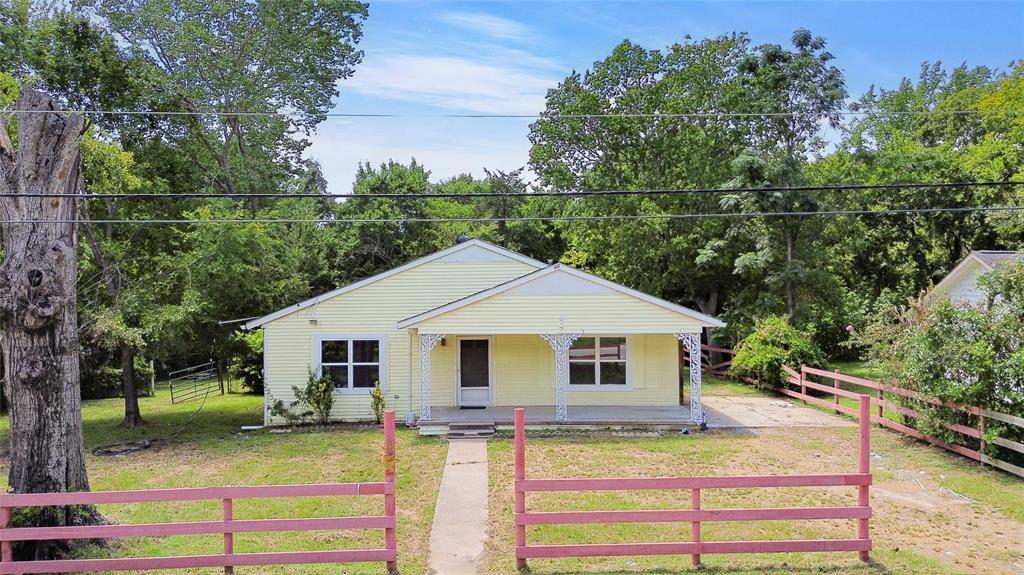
(580, 348)
(604, 415)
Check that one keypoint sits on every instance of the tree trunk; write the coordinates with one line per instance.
(130, 391)
(790, 284)
(38, 305)
(132, 415)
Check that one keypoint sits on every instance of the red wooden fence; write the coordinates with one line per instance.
(802, 379)
(696, 514)
(227, 526)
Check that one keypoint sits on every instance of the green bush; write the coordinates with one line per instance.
(314, 401)
(971, 355)
(772, 344)
(247, 360)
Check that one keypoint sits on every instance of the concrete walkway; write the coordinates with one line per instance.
(460, 517)
(750, 412)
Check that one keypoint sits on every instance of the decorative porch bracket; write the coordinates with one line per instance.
(692, 343)
(427, 343)
(561, 342)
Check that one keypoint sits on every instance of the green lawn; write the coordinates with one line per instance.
(211, 451)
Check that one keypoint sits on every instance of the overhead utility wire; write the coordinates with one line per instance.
(539, 193)
(616, 217)
(255, 114)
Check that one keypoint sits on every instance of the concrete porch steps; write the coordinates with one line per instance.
(470, 430)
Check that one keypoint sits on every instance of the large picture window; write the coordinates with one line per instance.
(352, 363)
(597, 361)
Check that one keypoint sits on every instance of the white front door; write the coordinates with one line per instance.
(473, 372)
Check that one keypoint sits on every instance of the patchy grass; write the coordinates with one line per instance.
(922, 524)
(211, 451)
(718, 386)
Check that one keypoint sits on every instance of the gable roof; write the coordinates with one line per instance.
(994, 259)
(459, 247)
(704, 319)
(987, 260)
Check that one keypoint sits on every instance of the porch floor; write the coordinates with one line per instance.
(578, 415)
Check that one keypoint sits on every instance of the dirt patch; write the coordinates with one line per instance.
(922, 524)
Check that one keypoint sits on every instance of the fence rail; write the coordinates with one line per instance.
(227, 525)
(696, 515)
(717, 366)
(799, 383)
(194, 382)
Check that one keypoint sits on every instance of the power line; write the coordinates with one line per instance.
(538, 193)
(614, 217)
(545, 116)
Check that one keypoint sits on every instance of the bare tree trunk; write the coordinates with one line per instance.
(132, 415)
(112, 277)
(38, 305)
(790, 284)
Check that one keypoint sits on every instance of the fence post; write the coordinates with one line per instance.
(835, 396)
(390, 539)
(520, 503)
(695, 525)
(863, 496)
(981, 433)
(880, 408)
(5, 520)
(229, 535)
(803, 376)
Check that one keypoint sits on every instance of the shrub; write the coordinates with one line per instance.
(772, 344)
(314, 401)
(377, 402)
(247, 360)
(972, 355)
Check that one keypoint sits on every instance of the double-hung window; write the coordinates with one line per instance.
(352, 363)
(597, 361)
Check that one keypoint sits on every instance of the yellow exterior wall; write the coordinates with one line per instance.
(522, 361)
(524, 373)
(375, 309)
(592, 314)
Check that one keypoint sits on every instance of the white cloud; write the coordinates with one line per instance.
(488, 25)
(453, 82)
(447, 148)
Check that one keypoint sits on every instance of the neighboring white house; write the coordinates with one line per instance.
(961, 284)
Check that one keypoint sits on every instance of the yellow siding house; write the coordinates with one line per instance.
(479, 329)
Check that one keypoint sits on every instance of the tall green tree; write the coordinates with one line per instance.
(611, 128)
(793, 92)
(216, 59)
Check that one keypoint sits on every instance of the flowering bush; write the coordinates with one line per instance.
(772, 344)
(315, 401)
(377, 402)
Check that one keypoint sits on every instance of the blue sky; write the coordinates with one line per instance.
(427, 58)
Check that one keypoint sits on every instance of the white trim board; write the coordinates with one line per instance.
(705, 320)
(408, 266)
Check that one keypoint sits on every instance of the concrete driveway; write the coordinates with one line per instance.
(726, 411)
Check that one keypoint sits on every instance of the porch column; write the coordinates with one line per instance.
(427, 343)
(692, 343)
(561, 342)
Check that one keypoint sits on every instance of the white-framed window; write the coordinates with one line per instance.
(354, 362)
(598, 361)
